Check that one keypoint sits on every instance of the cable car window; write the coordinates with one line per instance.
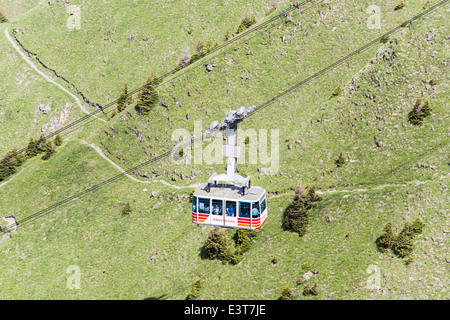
(217, 206)
(255, 210)
(263, 205)
(244, 209)
(231, 208)
(203, 205)
(194, 204)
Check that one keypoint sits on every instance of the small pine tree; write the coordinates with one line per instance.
(286, 293)
(337, 91)
(148, 96)
(304, 200)
(246, 23)
(122, 102)
(49, 150)
(3, 18)
(58, 140)
(399, 5)
(195, 290)
(126, 210)
(421, 110)
(403, 245)
(340, 160)
(311, 290)
(216, 246)
(388, 238)
(417, 225)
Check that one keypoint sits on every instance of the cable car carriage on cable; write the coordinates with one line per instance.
(235, 203)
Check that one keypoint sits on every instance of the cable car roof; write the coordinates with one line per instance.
(227, 191)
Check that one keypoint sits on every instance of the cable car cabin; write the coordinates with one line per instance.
(224, 205)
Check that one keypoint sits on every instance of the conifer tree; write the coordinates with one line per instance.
(148, 96)
(49, 150)
(404, 243)
(340, 160)
(286, 293)
(122, 102)
(297, 217)
(126, 210)
(3, 18)
(417, 225)
(58, 140)
(387, 239)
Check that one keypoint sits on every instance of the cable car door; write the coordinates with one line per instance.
(230, 217)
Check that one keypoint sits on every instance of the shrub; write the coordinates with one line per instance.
(123, 99)
(216, 246)
(195, 290)
(340, 161)
(311, 290)
(384, 39)
(246, 23)
(9, 163)
(126, 210)
(49, 150)
(337, 91)
(403, 245)
(271, 10)
(58, 140)
(420, 111)
(148, 96)
(286, 293)
(388, 238)
(417, 225)
(304, 200)
(3, 18)
(399, 5)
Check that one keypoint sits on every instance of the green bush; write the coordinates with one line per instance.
(148, 96)
(286, 293)
(195, 290)
(399, 5)
(246, 23)
(403, 245)
(122, 102)
(297, 216)
(387, 240)
(417, 225)
(311, 290)
(58, 140)
(216, 246)
(3, 18)
(49, 150)
(337, 91)
(9, 163)
(420, 111)
(126, 210)
(340, 161)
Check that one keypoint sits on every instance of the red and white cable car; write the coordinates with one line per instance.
(235, 203)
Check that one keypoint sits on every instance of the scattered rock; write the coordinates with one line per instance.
(45, 109)
(308, 275)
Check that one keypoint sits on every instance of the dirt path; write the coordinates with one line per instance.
(45, 76)
(5, 182)
(100, 152)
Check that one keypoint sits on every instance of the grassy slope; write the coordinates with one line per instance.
(101, 49)
(22, 91)
(113, 252)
